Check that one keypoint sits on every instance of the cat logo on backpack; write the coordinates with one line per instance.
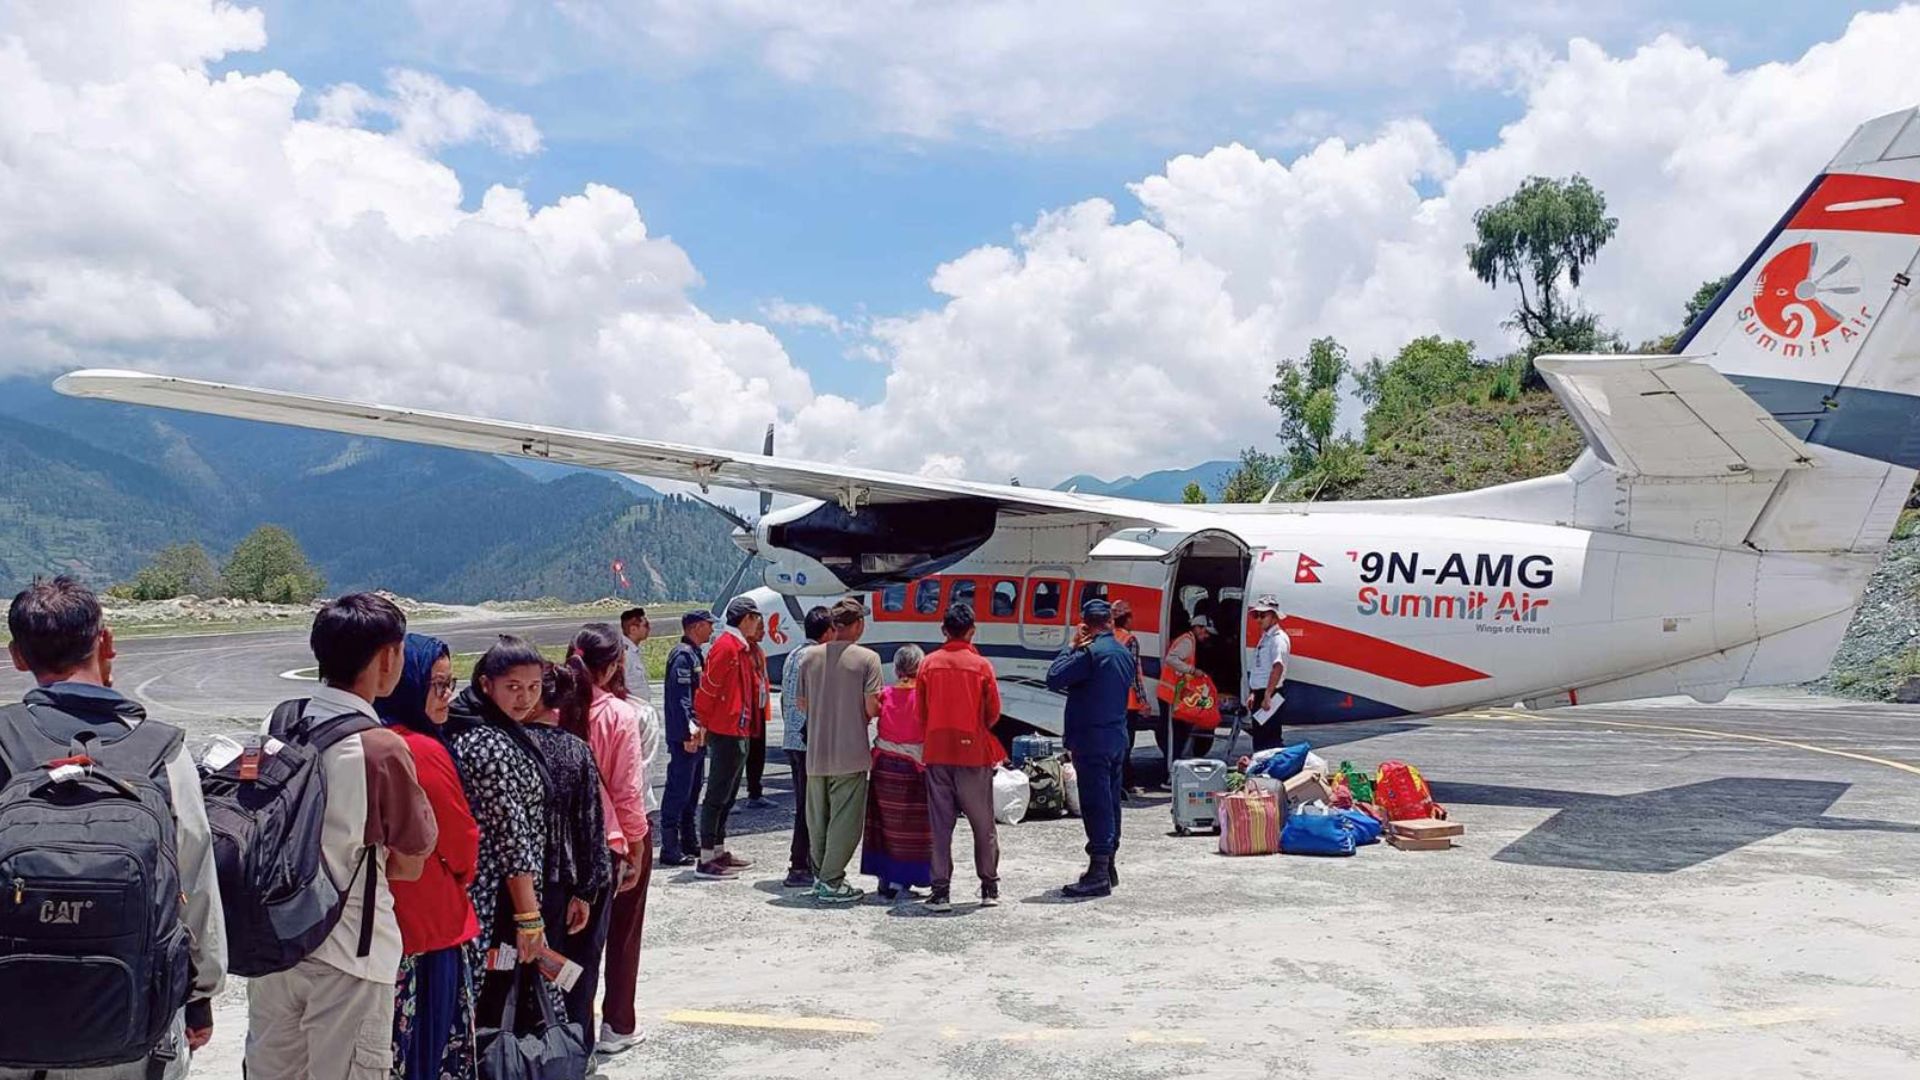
(63, 912)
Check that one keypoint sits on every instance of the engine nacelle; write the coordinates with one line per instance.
(820, 548)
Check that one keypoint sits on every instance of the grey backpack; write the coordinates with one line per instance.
(93, 946)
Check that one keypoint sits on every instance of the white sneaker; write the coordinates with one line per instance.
(612, 1042)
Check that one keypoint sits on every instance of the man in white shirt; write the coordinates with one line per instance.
(636, 629)
(1268, 672)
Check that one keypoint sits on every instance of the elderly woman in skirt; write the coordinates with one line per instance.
(899, 840)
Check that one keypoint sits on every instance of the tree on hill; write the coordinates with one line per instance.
(1702, 299)
(1193, 493)
(1252, 478)
(1545, 231)
(1307, 393)
(268, 565)
(1426, 372)
(178, 570)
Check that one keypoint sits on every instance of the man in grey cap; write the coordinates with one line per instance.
(1096, 673)
(686, 746)
(731, 706)
(840, 685)
(1268, 672)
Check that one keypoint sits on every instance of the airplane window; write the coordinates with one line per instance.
(1046, 600)
(926, 596)
(960, 592)
(1006, 599)
(1090, 590)
(893, 598)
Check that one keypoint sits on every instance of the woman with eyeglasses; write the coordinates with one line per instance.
(433, 996)
(506, 783)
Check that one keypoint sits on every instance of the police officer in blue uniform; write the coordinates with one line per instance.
(686, 743)
(1095, 671)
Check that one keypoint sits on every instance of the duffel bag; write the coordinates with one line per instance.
(1317, 834)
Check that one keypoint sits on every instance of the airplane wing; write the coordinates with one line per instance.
(671, 461)
(1669, 416)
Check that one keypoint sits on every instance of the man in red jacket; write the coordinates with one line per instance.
(959, 702)
(731, 706)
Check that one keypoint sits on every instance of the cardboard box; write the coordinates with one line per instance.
(1405, 843)
(1428, 828)
(1305, 787)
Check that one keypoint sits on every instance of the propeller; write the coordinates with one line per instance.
(745, 535)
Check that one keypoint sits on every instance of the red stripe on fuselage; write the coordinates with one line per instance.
(1332, 644)
(1849, 202)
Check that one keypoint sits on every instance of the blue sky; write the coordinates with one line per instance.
(982, 239)
(780, 189)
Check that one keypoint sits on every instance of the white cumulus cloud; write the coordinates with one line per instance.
(425, 112)
(162, 216)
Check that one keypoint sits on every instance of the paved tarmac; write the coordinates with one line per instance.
(1647, 891)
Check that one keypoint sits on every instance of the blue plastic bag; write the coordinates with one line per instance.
(1282, 764)
(1317, 834)
(1366, 827)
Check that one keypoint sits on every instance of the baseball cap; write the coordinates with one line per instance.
(1096, 610)
(739, 608)
(1267, 602)
(848, 611)
(695, 617)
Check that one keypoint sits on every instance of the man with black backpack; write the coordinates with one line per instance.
(328, 1014)
(110, 917)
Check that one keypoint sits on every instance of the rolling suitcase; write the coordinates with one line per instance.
(1198, 784)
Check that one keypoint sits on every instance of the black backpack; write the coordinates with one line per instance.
(94, 954)
(267, 811)
(1046, 786)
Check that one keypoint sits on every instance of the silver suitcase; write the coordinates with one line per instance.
(1198, 784)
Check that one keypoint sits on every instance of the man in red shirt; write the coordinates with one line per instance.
(731, 707)
(959, 702)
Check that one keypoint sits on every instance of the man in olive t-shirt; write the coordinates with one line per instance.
(840, 685)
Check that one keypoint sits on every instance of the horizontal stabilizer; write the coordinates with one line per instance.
(1669, 416)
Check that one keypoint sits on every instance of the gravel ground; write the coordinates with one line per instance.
(1886, 627)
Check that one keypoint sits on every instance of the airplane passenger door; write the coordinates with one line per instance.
(1044, 618)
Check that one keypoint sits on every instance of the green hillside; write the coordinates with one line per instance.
(96, 489)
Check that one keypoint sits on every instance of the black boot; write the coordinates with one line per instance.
(1113, 870)
(1097, 881)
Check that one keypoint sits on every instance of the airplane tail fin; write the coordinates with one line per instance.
(1820, 327)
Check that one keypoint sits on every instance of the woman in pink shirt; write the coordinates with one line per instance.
(600, 714)
(899, 843)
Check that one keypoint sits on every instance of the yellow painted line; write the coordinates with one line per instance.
(1155, 1038)
(1706, 732)
(769, 1022)
(1658, 1025)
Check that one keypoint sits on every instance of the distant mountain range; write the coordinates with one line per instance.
(96, 489)
(1166, 485)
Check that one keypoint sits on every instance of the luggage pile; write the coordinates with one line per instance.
(1288, 800)
(1037, 784)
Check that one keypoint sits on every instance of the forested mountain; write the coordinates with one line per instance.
(1165, 485)
(97, 489)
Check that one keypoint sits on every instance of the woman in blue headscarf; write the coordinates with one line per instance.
(433, 996)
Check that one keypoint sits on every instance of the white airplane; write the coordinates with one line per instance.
(1717, 532)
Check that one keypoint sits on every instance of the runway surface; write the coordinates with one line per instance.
(1643, 891)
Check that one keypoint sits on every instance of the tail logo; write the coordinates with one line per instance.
(1805, 301)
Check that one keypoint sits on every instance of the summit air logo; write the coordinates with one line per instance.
(1805, 302)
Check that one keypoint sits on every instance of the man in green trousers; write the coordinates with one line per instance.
(840, 685)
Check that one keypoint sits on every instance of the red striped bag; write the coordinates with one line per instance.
(1250, 823)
